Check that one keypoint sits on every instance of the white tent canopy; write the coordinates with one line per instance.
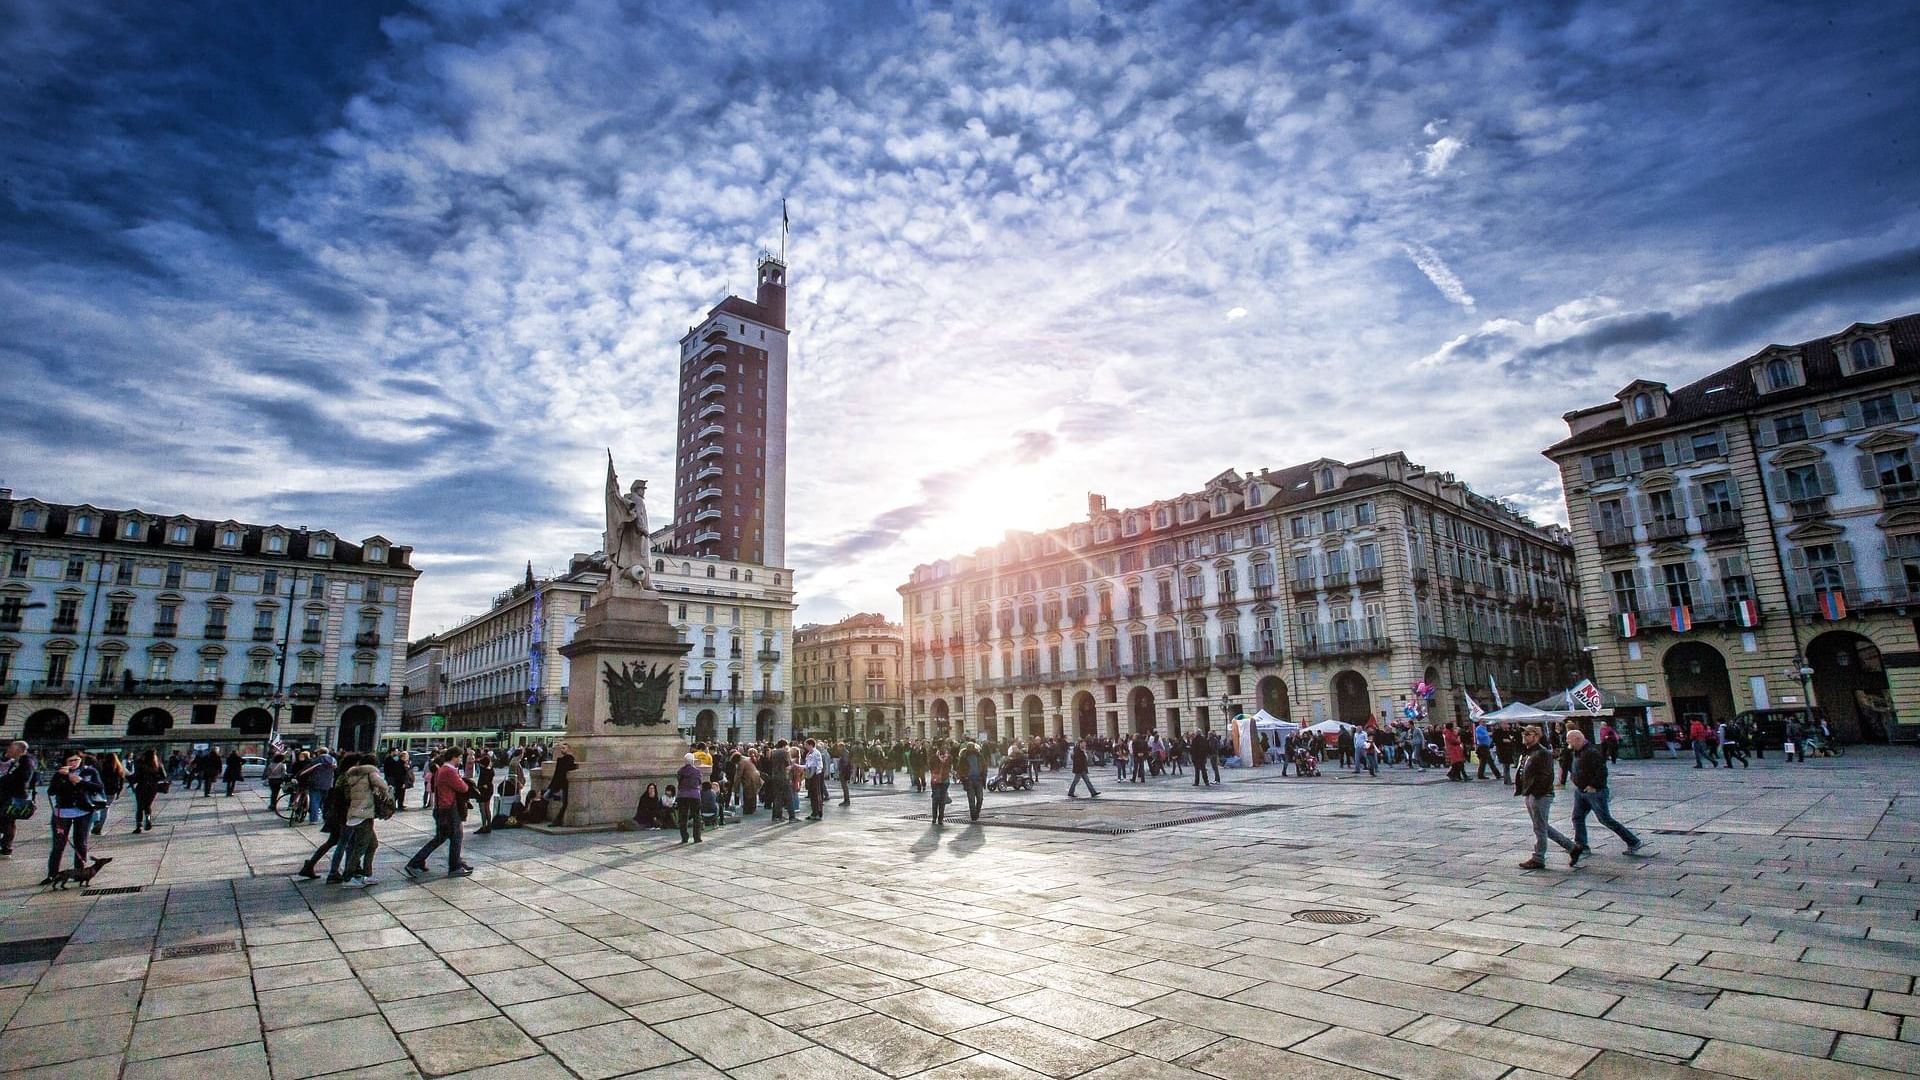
(1266, 721)
(1330, 727)
(1519, 713)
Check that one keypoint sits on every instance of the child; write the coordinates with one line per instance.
(710, 804)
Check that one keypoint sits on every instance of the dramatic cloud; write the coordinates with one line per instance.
(409, 269)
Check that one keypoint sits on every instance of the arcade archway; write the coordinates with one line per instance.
(1350, 697)
(149, 723)
(1140, 705)
(1697, 683)
(1271, 692)
(357, 726)
(1086, 725)
(1036, 716)
(1850, 684)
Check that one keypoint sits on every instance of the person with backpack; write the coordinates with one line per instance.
(149, 780)
(332, 806)
(367, 798)
(317, 778)
(972, 766)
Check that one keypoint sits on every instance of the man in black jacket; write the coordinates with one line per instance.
(1079, 762)
(1534, 782)
(1198, 748)
(1590, 792)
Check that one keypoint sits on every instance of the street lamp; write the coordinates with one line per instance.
(1803, 673)
(1226, 709)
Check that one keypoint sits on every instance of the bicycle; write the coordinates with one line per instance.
(298, 802)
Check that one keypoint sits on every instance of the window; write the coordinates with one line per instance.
(229, 538)
(1613, 516)
(1661, 503)
(1708, 445)
(223, 579)
(180, 534)
(276, 543)
(1791, 427)
(1893, 466)
(1625, 596)
(1780, 375)
(1363, 513)
(1329, 520)
(1653, 456)
(1678, 584)
(1602, 466)
(1369, 556)
(83, 525)
(1716, 497)
(76, 568)
(1803, 482)
(1823, 569)
(1733, 578)
(1875, 411)
(270, 582)
(1643, 406)
(1864, 354)
(322, 547)
(131, 530)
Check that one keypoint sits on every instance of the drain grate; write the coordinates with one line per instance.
(31, 950)
(120, 891)
(1331, 916)
(178, 952)
(1674, 832)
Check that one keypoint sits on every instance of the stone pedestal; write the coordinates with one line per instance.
(624, 634)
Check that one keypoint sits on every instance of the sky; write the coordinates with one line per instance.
(411, 269)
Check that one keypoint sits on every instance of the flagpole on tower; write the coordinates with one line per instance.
(783, 232)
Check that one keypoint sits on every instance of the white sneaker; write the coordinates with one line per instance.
(355, 883)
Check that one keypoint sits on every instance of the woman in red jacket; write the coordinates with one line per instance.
(1456, 753)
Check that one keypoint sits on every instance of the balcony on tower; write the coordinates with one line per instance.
(710, 390)
(706, 536)
(714, 409)
(713, 370)
(711, 513)
(706, 493)
(707, 451)
(709, 471)
(710, 430)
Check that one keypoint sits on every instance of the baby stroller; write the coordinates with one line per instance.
(1306, 764)
(1014, 775)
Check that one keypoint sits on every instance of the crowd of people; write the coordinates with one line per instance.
(346, 794)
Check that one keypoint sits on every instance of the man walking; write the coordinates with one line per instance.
(779, 793)
(448, 787)
(1363, 753)
(1590, 792)
(816, 766)
(317, 778)
(1079, 762)
(972, 767)
(16, 777)
(1198, 748)
(1533, 781)
(1483, 748)
(1702, 744)
(1140, 751)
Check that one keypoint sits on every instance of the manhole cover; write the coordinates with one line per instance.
(31, 950)
(121, 891)
(1331, 916)
(176, 952)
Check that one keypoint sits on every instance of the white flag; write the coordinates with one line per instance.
(1474, 711)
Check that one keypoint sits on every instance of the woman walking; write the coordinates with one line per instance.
(940, 773)
(276, 777)
(365, 790)
(149, 779)
(73, 792)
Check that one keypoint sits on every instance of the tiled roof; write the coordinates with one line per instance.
(1730, 391)
(251, 542)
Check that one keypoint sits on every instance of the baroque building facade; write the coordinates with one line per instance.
(504, 669)
(1752, 540)
(848, 678)
(129, 628)
(1322, 590)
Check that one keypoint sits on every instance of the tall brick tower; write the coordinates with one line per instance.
(730, 461)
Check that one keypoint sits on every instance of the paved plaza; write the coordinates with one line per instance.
(1157, 933)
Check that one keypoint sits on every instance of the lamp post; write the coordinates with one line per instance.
(1804, 674)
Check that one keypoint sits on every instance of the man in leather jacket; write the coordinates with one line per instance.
(1533, 781)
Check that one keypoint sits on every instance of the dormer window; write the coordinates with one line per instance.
(180, 533)
(1642, 406)
(82, 525)
(130, 530)
(1781, 374)
(29, 519)
(229, 538)
(276, 543)
(376, 553)
(1326, 479)
(1863, 354)
(322, 547)
(1160, 518)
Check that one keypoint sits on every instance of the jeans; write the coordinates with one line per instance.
(1700, 751)
(1120, 772)
(939, 800)
(1485, 753)
(1369, 758)
(69, 830)
(1200, 773)
(316, 798)
(446, 830)
(1538, 807)
(1596, 801)
(273, 794)
(1078, 778)
(976, 791)
(360, 844)
(687, 813)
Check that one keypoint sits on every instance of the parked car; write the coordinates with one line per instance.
(1769, 726)
(252, 768)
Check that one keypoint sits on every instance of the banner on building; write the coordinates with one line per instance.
(1681, 618)
(1629, 624)
(1833, 605)
(1747, 613)
(1587, 696)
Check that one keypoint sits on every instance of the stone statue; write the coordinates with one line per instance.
(629, 548)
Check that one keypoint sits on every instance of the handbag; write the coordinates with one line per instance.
(165, 786)
(1787, 748)
(19, 808)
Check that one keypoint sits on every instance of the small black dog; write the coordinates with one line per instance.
(79, 874)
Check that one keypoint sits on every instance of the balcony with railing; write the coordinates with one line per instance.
(1902, 595)
(707, 451)
(106, 688)
(304, 691)
(10, 626)
(1900, 494)
(706, 536)
(1807, 509)
(165, 629)
(768, 656)
(715, 409)
(1228, 660)
(1367, 575)
(263, 633)
(1263, 591)
(1196, 660)
(769, 697)
(710, 430)
(1166, 665)
(712, 370)
(1668, 528)
(1720, 521)
(1437, 643)
(51, 688)
(367, 639)
(708, 513)
(1264, 657)
(175, 688)
(1339, 579)
(256, 689)
(710, 390)
(312, 635)
(709, 471)
(1304, 585)
(1342, 648)
(361, 691)
(1614, 536)
(9, 688)
(706, 493)
(703, 696)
